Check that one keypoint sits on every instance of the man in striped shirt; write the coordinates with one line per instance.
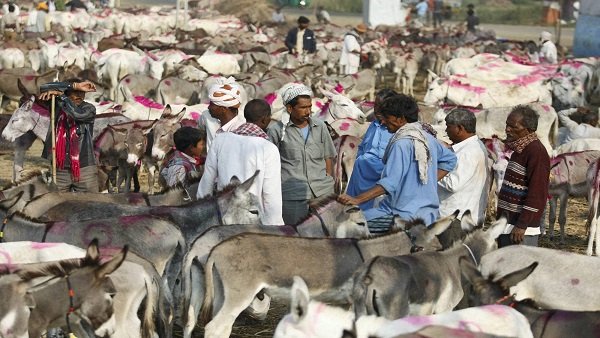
(524, 191)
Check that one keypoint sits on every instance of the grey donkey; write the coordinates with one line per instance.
(421, 284)
(544, 323)
(242, 266)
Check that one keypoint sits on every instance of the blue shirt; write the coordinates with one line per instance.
(369, 164)
(405, 195)
(422, 8)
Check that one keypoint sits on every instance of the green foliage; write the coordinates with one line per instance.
(60, 5)
(530, 14)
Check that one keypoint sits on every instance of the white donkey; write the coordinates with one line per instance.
(312, 319)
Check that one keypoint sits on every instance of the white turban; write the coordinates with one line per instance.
(293, 90)
(546, 36)
(225, 93)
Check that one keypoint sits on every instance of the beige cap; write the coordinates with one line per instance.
(361, 28)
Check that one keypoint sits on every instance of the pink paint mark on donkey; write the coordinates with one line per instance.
(148, 103)
(345, 126)
(574, 281)
(270, 98)
(29, 77)
(195, 115)
(417, 320)
(339, 88)
(467, 87)
(352, 145)
(42, 246)
(40, 110)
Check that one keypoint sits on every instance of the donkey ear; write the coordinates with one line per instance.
(29, 300)
(441, 224)
(469, 270)
(515, 277)
(112, 265)
(22, 88)
(181, 114)
(167, 111)
(92, 252)
(300, 299)
(466, 221)
(245, 186)
(348, 334)
(399, 223)
(497, 228)
(8, 203)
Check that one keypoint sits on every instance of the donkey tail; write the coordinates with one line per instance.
(186, 282)
(148, 326)
(207, 305)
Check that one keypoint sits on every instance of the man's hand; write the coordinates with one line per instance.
(347, 200)
(45, 96)
(517, 235)
(85, 86)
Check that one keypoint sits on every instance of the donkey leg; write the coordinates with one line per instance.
(562, 217)
(195, 300)
(592, 235)
(597, 233)
(552, 214)
(234, 303)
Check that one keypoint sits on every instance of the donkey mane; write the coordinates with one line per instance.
(179, 186)
(318, 204)
(227, 189)
(58, 269)
(21, 216)
(394, 230)
(30, 175)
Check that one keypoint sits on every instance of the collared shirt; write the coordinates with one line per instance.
(213, 126)
(576, 130)
(548, 52)
(369, 161)
(421, 8)
(405, 195)
(241, 156)
(466, 187)
(350, 45)
(176, 171)
(303, 172)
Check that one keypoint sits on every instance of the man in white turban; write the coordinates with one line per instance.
(306, 151)
(548, 53)
(225, 100)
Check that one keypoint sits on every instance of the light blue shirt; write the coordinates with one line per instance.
(422, 8)
(369, 164)
(405, 195)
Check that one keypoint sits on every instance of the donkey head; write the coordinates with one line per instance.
(136, 142)
(163, 132)
(237, 204)
(21, 121)
(487, 291)
(341, 107)
(423, 237)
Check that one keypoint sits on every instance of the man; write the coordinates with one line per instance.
(10, 23)
(42, 19)
(472, 21)
(278, 18)
(225, 99)
(300, 40)
(306, 151)
(438, 13)
(413, 163)
(369, 160)
(465, 187)
(241, 153)
(322, 15)
(548, 53)
(588, 128)
(75, 159)
(350, 57)
(421, 9)
(524, 191)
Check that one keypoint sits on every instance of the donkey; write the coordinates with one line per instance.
(39, 206)
(242, 266)
(133, 281)
(567, 179)
(232, 205)
(570, 289)
(394, 287)
(309, 318)
(544, 323)
(90, 292)
(30, 186)
(327, 219)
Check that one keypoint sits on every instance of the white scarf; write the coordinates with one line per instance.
(415, 132)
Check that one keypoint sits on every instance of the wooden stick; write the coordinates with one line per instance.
(53, 129)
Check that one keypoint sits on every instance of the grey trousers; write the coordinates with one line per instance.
(88, 180)
(504, 240)
(294, 211)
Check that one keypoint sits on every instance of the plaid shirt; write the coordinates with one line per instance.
(251, 129)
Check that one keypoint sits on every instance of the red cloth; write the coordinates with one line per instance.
(66, 124)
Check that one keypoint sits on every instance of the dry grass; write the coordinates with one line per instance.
(247, 10)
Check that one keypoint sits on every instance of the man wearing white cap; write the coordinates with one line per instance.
(548, 53)
(306, 151)
(350, 57)
(225, 99)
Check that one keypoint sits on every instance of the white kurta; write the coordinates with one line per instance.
(548, 53)
(348, 60)
(576, 130)
(212, 125)
(466, 187)
(241, 156)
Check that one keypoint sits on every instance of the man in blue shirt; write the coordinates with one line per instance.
(413, 163)
(422, 8)
(369, 160)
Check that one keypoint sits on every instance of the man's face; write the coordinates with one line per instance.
(264, 123)
(197, 149)
(215, 111)
(300, 113)
(76, 97)
(303, 26)
(453, 131)
(515, 128)
(393, 123)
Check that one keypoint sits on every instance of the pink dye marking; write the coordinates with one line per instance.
(92, 230)
(104, 103)
(368, 104)
(345, 126)
(136, 199)
(127, 80)
(7, 258)
(417, 320)
(496, 309)
(466, 86)
(574, 281)
(29, 77)
(40, 110)
(41, 246)
(571, 162)
(270, 98)
(319, 105)
(195, 115)
(129, 220)
(189, 123)
(523, 80)
(148, 103)
(546, 108)
(339, 88)
(324, 108)
(352, 145)
(59, 228)
(287, 231)
(168, 82)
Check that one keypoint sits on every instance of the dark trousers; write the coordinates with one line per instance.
(504, 240)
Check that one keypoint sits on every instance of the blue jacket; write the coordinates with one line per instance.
(309, 43)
